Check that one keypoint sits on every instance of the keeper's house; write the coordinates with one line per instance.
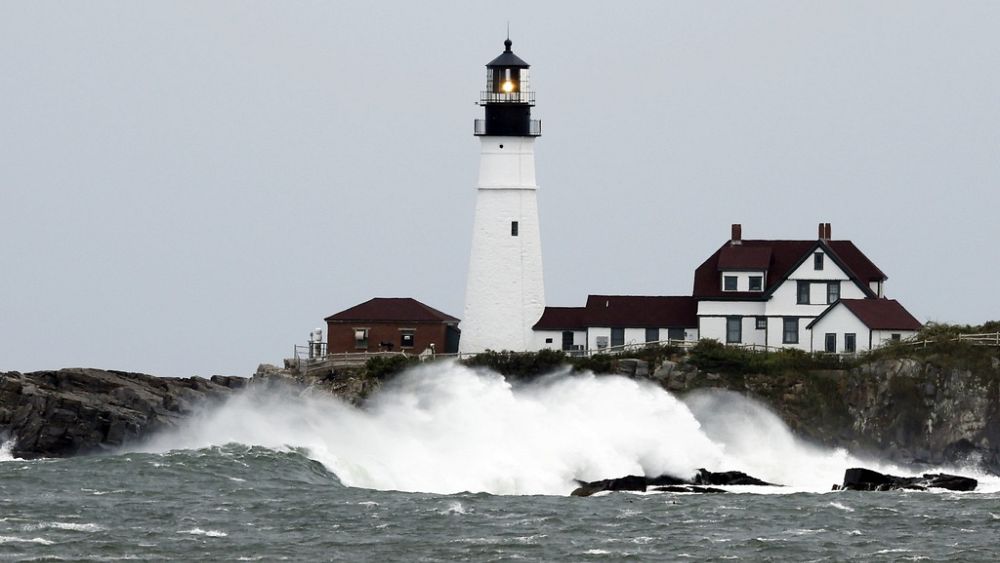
(814, 295)
(392, 324)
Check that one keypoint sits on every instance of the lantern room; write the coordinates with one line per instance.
(507, 98)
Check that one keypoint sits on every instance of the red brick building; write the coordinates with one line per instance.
(392, 324)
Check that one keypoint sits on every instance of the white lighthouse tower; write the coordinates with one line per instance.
(505, 292)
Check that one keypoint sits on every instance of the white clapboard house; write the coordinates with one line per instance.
(813, 295)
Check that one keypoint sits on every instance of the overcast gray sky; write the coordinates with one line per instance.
(190, 187)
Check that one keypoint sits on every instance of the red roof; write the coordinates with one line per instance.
(623, 311)
(881, 314)
(641, 311)
(392, 309)
(739, 257)
(562, 318)
(784, 257)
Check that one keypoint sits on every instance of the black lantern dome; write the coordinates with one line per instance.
(508, 98)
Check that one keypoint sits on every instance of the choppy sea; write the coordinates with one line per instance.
(458, 465)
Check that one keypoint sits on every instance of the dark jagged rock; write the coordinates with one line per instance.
(705, 477)
(861, 479)
(669, 483)
(627, 483)
(76, 411)
(688, 489)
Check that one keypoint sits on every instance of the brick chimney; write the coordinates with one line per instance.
(737, 235)
(829, 232)
(821, 231)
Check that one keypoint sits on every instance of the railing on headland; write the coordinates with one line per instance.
(985, 339)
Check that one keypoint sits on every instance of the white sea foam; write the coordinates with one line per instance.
(14, 539)
(447, 428)
(207, 533)
(71, 526)
(5, 450)
(454, 507)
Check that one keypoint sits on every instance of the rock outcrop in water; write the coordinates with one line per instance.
(74, 411)
(860, 479)
(668, 483)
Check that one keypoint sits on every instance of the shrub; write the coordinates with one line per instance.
(519, 364)
(383, 368)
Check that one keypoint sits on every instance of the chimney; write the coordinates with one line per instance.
(829, 232)
(821, 231)
(737, 235)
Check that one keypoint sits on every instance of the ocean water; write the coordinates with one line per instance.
(453, 464)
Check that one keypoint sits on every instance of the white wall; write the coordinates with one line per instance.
(727, 308)
(579, 338)
(882, 337)
(743, 279)
(839, 321)
(505, 291)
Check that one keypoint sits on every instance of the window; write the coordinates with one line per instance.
(791, 330)
(617, 337)
(803, 292)
(756, 283)
(850, 343)
(361, 338)
(548, 341)
(729, 283)
(831, 343)
(406, 339)
(818, 261)
(675, 334)
(895, 337)
(513, 228)
(832, 292)
(567, 340)
(734, 330)
(761, 323)
(652, 335)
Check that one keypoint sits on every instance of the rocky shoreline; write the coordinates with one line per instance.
(918, 413)
(79, 411)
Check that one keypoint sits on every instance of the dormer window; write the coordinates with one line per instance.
(728, 283)
(756, 283)
(818, 261)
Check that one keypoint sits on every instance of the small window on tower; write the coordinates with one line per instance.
(513, 228)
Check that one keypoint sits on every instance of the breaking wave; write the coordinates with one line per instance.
(447, 428)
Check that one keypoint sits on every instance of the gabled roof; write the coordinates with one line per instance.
(785, 257)
(562, 318)
(405, 309)
(876, 314)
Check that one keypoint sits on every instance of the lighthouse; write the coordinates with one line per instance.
(505, 292)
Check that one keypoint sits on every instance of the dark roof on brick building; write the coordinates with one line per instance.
(877, 314)
(389, 309)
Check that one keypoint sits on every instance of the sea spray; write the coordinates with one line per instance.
(761, 443)
(447, 428)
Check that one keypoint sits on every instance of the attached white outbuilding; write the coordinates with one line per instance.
(857, 325)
